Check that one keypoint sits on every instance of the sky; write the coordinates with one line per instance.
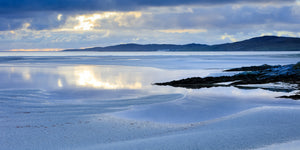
(64, 24)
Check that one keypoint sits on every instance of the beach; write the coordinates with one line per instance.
(107, 100)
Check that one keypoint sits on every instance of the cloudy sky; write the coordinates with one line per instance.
(62, 24)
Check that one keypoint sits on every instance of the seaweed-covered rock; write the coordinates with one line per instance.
(252, 68)
(294, 97)
(250, 75)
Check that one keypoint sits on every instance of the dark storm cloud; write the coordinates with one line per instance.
(41, 14)
(11, 24)
(16, 6)
(224, 17)
(38, 21)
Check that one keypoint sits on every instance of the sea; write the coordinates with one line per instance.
(108, 100)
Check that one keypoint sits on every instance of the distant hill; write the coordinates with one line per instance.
(264, 43)
(147, 47)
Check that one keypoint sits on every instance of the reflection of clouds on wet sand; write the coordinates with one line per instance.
(98, 77)
(90, 82)
(91, 76)
(104, 78)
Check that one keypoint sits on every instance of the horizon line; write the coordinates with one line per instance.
(62, 49)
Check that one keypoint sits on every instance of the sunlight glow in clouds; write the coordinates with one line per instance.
(87, 22)
(230, 37)
(26, 25)
(59, 83)
(59, 17)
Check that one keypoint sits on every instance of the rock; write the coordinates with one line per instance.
(294, 97)
(251, 75)
(251, 68)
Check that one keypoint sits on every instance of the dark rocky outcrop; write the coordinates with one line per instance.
(252, 68)
(294, 97)
(289, 74)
